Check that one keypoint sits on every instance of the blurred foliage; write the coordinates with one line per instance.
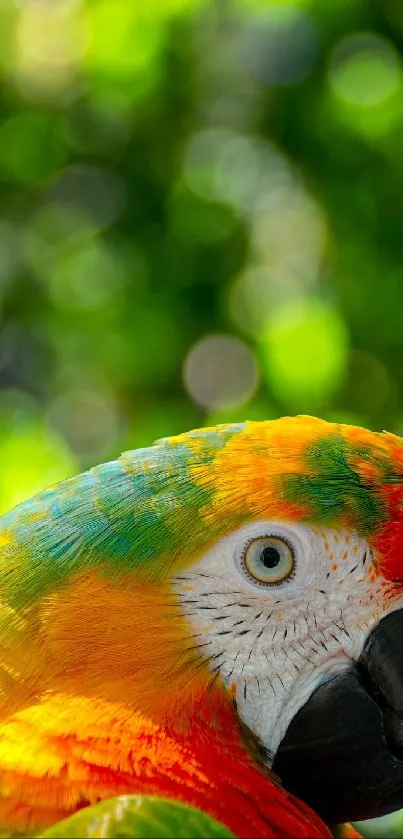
(138, 817)
(200, 221)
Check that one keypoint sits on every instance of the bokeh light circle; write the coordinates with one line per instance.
(365, 69)
(280, 44)
(305, 350)
(220, 371)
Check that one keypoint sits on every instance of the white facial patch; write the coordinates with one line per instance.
(272, 643)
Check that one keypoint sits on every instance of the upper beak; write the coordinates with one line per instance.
(343, 751)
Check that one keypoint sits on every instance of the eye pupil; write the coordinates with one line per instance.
(270, 557)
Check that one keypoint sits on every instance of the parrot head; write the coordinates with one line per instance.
(261, 563)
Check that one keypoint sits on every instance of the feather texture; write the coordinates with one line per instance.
(102, 689)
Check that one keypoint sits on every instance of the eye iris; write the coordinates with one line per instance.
(270, 557)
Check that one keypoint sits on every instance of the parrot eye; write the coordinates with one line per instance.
(268, 560)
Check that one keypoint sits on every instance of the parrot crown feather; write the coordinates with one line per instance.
(143, 512)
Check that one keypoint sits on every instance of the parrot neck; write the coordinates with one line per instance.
(116, 699)
(71, 751)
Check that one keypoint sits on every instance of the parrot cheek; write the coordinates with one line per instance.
(343, 751)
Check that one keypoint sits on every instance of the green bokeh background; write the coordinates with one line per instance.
(201, 219)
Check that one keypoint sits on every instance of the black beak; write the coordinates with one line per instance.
(343, 751)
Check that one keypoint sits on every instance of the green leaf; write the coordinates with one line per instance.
(139, 817)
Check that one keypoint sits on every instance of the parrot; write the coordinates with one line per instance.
(216, 620)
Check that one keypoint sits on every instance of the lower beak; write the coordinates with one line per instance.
(343, 751)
